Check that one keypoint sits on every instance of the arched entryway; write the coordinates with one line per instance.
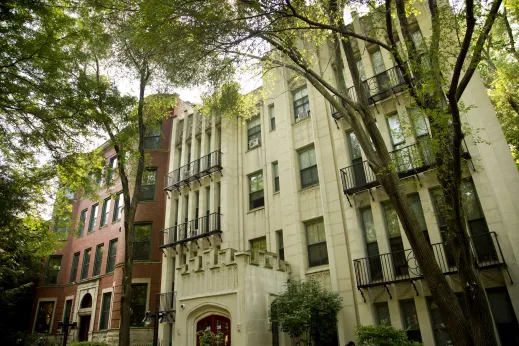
(84, 319)
(216, 324)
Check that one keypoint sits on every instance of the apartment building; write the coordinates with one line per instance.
(82, 282)
(288, 194)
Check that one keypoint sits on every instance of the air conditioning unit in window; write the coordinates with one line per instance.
(253, 142)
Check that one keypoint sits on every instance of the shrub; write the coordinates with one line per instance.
(89, 343)
(208, 338)
(382, 336)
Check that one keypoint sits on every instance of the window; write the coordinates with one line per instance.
(440, 332)
(417, 38)
(378, 62)
(416, 206)
(44, 317)
(112, 252)
(275, 171)
(275, 334)
(93, 218)
(112, 168)
(86, 264)
(281, 248)
(272, 118)
(370, 236)
(118, 208)
(138, 304)
(149, 179)
(52, 272)
(383, 317)
(439, 211)
(105, 212)
(152, 137)
(82, 221)
(98, 259)
(256, 198)
(301, 103)
(259, 243)
(308, 168)
(316, 240)
(254, 132)
(67, 310)
(105, 311)
(411, 320)
(141, 242)
(395, 240)
(73, 271)
(395, 131)
(504, 316)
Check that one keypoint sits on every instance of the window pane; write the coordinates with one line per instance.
(355, 149)
(395, 130)
(312, 233)
(53, 269)
(383, 317)
(378, 62)
(439, 206)
(105, 311)
(304, 159)
(44, 317)
(418, 121)
(368, 225)
(440, 332)
(410, 315)
(253, 123)
(112, 252)
(416, 206)
(470, 201)
(260, 243)
(393, 228)
(138, 304)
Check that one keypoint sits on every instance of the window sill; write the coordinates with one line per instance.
(104, 226)
(253, 148)
(277, 192)
(116, 221)
(318, 269)
(308, 188)
(297, 122)
(148, 201)
(255, 209)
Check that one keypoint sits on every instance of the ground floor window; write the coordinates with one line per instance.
(138, 304)
(44, 317)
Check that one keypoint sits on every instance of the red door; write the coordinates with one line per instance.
(216, 324)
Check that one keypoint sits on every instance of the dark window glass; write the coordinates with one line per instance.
(411, 320)
(256, 196)
(504, 315)
(275, 334)
(259, 243)
(254, 132)
(118, 208)
(98, 259)
(67, 310)
(112, 169)
(308, 168)
(440, 331)
(383, 316)
(440, 211)
(105, 311)
(82, 221)
(272, 118)
(368, 225)
(43, 317)
(141, 242)
(275, 170)
(73, 271)
(416, 206)
(93, 218)
(86, 264)
(138, 304)
(105, 212)
(316, 240)
(152, 138)
(112, 252)
(301, 104)
(149, 179)
(281, 247)
(52, 272)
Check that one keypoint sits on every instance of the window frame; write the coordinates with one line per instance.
(104, 314)
(147, 135)
(118, 207)
(139, 320)
(141, 224)
(60, 257)
(112, 168)
(105, 211)
(405, 324)
(272, 117)
(93, 218)
(84, 274)
(302, 102)
(260, 241)
(251, 201)
(275, 174)
(98, 259)
(51, 318)
(280, 244)
(313, 168)
(74, 267)
(322, 260)
(256, 131)
(82, 223)
(110, 267)
(377, 313)
(149, 169)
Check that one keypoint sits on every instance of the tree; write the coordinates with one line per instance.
(288, 34)
(307, 312)
(382, 336)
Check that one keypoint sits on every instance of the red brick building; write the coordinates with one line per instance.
(83, 280)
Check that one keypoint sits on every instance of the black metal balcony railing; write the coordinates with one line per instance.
(194, 171)
(402, 266)
(204, 226)
(411, 159)
(167, 301)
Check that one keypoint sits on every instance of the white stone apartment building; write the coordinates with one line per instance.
(288, 195)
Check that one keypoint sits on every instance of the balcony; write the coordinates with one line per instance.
(202, 227)
(400, 266)
(408, 160)
(194, 170)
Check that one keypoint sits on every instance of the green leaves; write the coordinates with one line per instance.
(228, 101)
(382, 336)
(307, 310)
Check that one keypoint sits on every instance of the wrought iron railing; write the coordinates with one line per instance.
(194, 170)
(167, 301)
(188, 231)
(402, 265)
(407, 160)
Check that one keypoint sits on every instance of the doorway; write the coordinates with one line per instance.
(216, 324)
(84, 326)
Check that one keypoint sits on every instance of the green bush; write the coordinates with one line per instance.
(89, 343)
(382, 336)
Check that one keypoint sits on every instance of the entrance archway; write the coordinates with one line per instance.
(84, 320)
(216, 324)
